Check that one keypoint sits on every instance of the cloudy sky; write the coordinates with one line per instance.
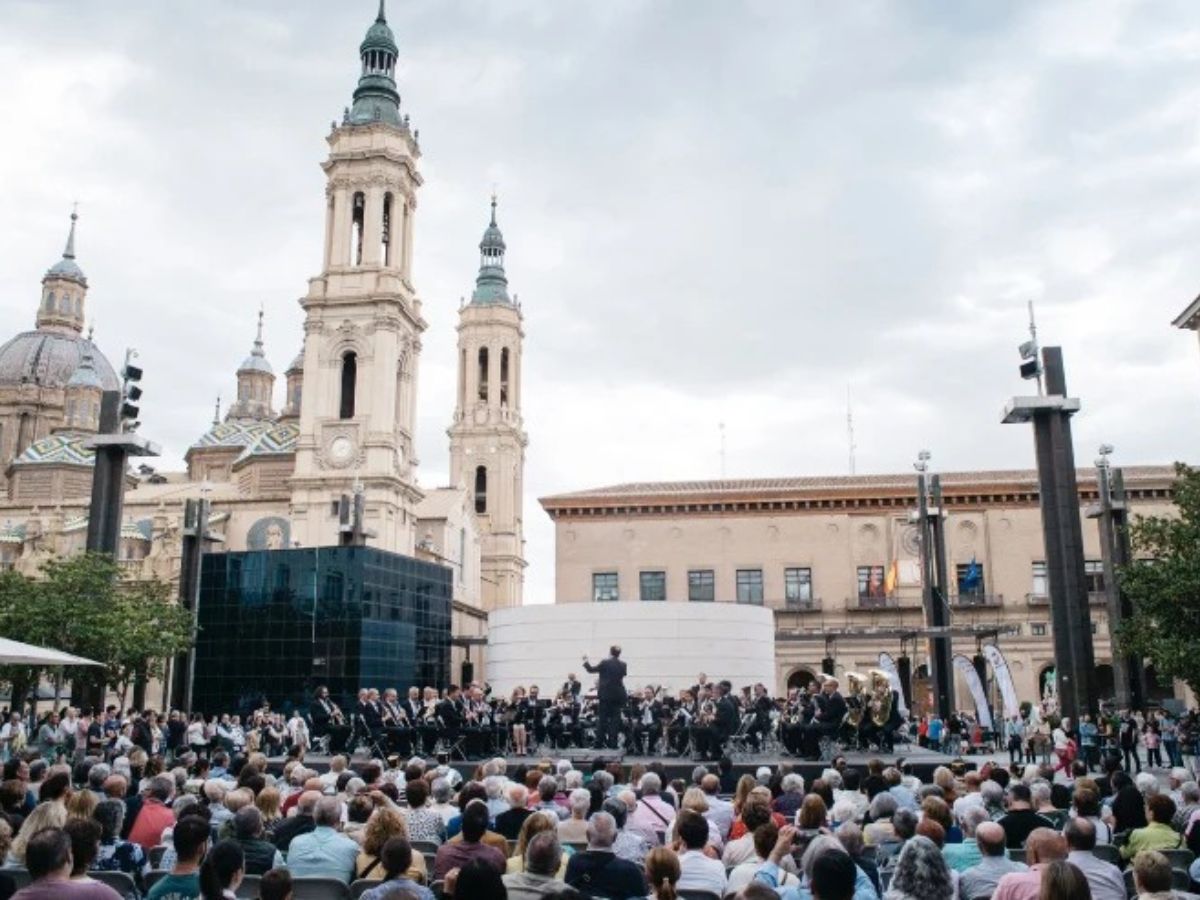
(715, 212)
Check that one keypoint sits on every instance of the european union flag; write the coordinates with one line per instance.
(972, 578)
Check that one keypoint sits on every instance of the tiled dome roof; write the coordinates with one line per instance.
(49, 359)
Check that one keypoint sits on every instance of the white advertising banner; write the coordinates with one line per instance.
(967, 669)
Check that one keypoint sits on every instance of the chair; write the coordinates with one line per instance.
(156, 855)
(153, 876)
(1109, 854)
(1180, 880)
(1179, 859)
(121, 882)
(248, 889)
(425, 848)
(311, 887)
(361, 886)
(1017, 854)
(885, 879)
(19, 875)
(576, 846)
(1129, 888)
(438, 888)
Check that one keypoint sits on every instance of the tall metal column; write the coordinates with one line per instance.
(112, 448)
(1059, 499)
(933, 584)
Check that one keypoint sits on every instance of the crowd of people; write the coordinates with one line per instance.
(184, 825)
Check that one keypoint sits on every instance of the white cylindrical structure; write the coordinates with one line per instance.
(663, 644)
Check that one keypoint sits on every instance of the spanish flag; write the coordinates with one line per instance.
(892, 580)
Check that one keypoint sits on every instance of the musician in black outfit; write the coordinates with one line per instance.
(396, 724)
(827, 718)
(725, 725)
(761, 707)
(610, 692)
(573, 686)
(450, 712)
(535, 716)
(327, 719)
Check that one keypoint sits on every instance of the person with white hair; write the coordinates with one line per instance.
(1146, 783)
(562, 767)
(573, 830)
(771, 874)
(441, 794)
(599, 869)
(788, 803)
(1187, 805)
(653, 815)
(493, 785)
(547, 790)
(324, 852)
(966, 854)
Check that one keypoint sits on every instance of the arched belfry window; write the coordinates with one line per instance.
(349, 383)
(385, 251)
(481, 489)
(483, 373)
(504, 376)
(357, 211)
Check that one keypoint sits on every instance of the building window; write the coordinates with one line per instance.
(357, 213)
(604, 587)
(349, 384)
(1037, 629)
(870, 583)
(797, 587)
(504, 376)
(970, 579)
(483, 373)
(1095, 627)
(386, 231)
(481, 489)
(701, 586)
(1041, 587)
(750, 586)
(652, 586)
(1093, 576)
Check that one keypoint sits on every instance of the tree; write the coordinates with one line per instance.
(1163, 585)
(83, 605)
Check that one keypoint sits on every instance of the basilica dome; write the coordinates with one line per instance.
(49, 358)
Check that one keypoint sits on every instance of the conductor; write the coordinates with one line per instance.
(610, 695)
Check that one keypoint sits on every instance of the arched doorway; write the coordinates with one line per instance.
(800, 678)
(1155, 691)
(1106, 685)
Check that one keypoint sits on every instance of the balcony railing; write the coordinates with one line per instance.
(1095, 598)
(811, 604)
(868, 603)
(972, 600)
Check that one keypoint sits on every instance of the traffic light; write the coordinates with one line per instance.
(130, 392)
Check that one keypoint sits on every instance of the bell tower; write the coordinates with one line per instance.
(487, 441)
(363, 320)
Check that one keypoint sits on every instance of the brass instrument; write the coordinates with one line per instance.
(856, 699)
(881, 697)
(707, 714)
(336, 716)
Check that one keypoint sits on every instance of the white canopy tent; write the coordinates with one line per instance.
(15, 653)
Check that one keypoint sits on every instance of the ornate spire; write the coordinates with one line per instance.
(217, 411)
(376, 98)
(257, 360)
(491, 286)
(67, 267)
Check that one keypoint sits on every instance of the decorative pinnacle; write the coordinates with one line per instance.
(258, 341)
(493, 208)
(382, 17)
(217, 411)
(69, 250)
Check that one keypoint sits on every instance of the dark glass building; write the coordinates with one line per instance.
(274, 624)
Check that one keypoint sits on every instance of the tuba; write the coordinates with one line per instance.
(881, 699)
(856, 698)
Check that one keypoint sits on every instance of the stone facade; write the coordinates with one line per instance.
(837, 555)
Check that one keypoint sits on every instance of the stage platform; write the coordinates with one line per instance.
(922, 761)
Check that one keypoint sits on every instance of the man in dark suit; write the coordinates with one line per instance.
(727, 721)
(327, 719)
(827, 718)
(610, 694)
(450, 712)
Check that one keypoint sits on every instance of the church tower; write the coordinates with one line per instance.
(487, 442)
(363, 320)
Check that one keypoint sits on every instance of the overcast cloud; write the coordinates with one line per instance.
(715, 212)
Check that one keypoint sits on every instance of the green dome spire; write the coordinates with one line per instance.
(491, 286)
(376, 98)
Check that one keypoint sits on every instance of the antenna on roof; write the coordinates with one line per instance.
(721, 428)
(850, 431)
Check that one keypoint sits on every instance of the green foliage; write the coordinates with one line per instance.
(1163, 584)
(83, 605)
